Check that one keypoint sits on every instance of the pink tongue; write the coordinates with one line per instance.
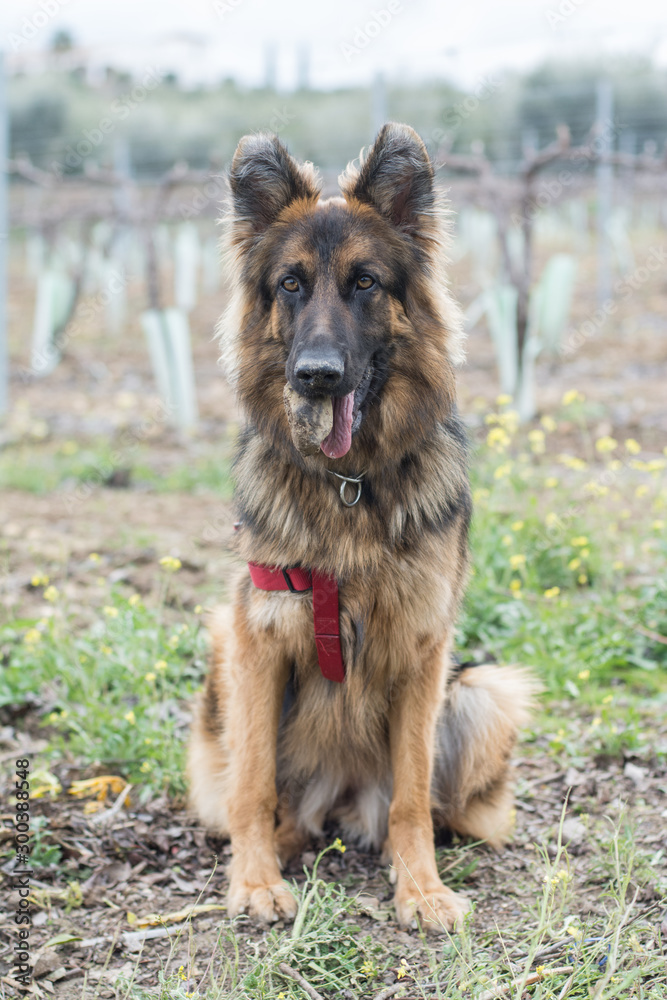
(338, 442)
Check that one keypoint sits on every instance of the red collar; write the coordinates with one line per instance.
(325, 609)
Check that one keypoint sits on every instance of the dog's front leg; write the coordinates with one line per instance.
(259, 673)
(419, 889)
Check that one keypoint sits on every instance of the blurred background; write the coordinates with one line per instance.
(547, 122)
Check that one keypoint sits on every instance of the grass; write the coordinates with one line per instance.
(109, 696)
(568, 576)
(43, 467)
(553, 949)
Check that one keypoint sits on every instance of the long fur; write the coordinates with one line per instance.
(406, 740)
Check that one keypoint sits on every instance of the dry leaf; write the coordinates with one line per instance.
(153, 919)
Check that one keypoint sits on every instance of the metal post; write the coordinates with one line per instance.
(605, 181)
(4, 239)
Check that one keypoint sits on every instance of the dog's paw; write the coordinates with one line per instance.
(435, 911)
(267, 903)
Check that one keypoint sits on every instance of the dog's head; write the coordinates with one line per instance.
(342, 297)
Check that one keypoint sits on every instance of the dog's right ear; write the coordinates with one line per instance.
(264, 179)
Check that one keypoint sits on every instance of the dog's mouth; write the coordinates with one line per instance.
(326, 423)
(347, 418)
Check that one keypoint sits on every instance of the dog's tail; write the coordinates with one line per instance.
(477, 730)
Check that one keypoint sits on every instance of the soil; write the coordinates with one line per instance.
(154, 858)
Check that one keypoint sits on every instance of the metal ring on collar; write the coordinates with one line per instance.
(355, 480)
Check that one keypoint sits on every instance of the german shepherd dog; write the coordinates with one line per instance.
(343, 301)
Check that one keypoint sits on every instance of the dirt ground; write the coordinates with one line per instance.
(154, 859)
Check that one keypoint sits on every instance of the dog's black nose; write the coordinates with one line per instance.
(323, 372)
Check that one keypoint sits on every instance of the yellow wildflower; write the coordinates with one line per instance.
(572, 396)
(130, 717)
(548, 423)
(517, 560)
(618, 564)
(110, 612)
(95, 557)
(402, 970)
(498, 439)
(574, 563)
(583, 675)
(552, 592)
(516, 525)
(607, 700)
(582, 579)
(150, 676)
(550, 482)
(597, 721)
(552, 519)
(198, 609)
(641, 491)
(605, 444)
(339, 845)
(134, 600)
(503, 400)
(503, 471)
(507, 540)
(632, 446)
(572, 462)
(579, 541)
(170, 563)
(161, 665)
(146, 767)
(39, 580)
(536, 438)
(32, 637)
(51, 593)
(658, 525)
(515, 584)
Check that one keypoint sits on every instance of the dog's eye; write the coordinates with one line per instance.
(290, 284)
(365, 281)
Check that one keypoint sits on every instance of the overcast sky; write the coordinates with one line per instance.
(347, 41)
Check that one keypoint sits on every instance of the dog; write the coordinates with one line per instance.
(332, 693)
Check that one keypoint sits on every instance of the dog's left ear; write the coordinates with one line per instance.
(395, 177)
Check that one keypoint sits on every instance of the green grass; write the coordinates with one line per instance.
(568, 577)
(42, 468)
(553, 950)
(110, 695)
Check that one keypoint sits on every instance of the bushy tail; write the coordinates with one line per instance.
(477, 730)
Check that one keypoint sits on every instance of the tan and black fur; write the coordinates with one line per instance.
(407, 740)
